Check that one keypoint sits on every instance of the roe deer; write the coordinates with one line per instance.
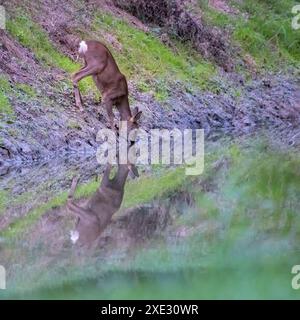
(96, 213)
(100, 64)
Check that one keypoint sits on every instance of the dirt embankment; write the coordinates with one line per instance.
(49, 124)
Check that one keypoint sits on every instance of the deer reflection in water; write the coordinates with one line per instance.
(95, 213)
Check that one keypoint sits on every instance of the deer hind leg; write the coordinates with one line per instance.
(78, 76)
(80, 212)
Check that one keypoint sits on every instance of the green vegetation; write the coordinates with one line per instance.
(18, 90)
(73, 124)
(144, 58)
(5, 106)
(3, 200)
(263, 30)
(268, 34)
(30, 35)
(19, 226)
(148, 188)
(27, 89)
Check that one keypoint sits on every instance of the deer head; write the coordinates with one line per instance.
(133, 121)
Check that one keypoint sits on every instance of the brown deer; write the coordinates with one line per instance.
(100, 64)
(96, 213)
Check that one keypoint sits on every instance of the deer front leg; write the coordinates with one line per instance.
(71, 194)
(78, 99)
(73, 187)
(121, 176)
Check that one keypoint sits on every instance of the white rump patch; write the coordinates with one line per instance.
(74, 236)
(83, 47)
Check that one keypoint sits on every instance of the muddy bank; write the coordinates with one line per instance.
(239, 108)
(38, 134)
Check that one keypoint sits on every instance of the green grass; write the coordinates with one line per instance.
(32, 36)
(73, 124)
(27, 89)
(267, 34)
(144, 58)
(5, 85)
(215, 17)
(146, 189)
(20, 225)
(3, 200)
(5, 106)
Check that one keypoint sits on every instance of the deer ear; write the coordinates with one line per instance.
(138, 116)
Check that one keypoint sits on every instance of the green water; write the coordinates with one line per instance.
(237, 239)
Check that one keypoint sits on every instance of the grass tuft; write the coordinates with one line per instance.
(5, 106)
(262, 29)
